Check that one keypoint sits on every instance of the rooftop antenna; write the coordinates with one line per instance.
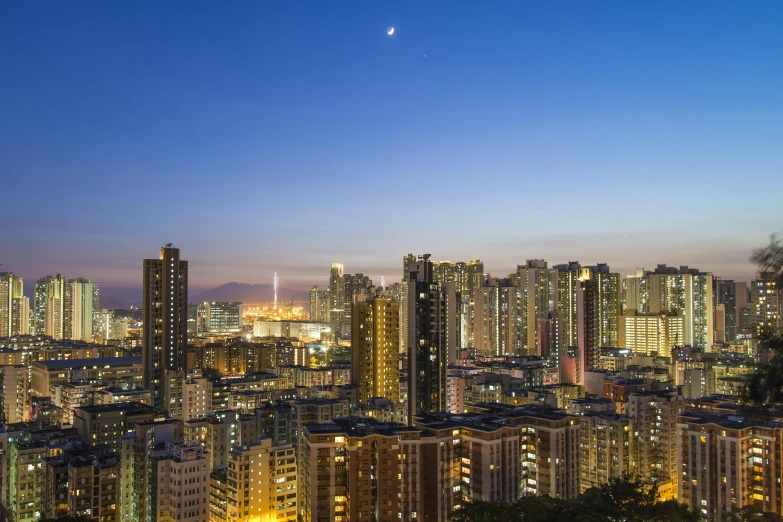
(275, 285)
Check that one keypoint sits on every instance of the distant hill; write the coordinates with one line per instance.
(114, 303)
(246, 293)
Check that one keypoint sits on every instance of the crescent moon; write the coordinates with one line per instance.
(390, 31)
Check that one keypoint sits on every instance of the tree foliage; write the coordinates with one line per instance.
(751, 514)
(625, 499)
(766, 384)
(770, 258)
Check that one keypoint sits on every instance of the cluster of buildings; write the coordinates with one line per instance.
(62, 309)
(448, 387)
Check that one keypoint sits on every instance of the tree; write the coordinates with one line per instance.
(766, 384)
(770, 258)
(626, 499)
(751, 514)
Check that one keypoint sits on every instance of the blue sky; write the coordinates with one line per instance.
(283, 136)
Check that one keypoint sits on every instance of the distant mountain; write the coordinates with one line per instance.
(114, 303)
(246, 293)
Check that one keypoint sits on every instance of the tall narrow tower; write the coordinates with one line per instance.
(165, 326)
(433, 331)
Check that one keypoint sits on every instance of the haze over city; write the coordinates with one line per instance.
(284, 137)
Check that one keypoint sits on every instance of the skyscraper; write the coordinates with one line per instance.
(688, 291)
(588, 319)
(637, 292)
(6, 303)
(49, 306)
(336, 298)
(315, 304)
(567, 287)
(20, 313)
(432, 337)
(165, 325)
(498, 317)
(608, 287)
(82, 302)
(538, 284)
(375, 356)
(726, 295)
(766, 303)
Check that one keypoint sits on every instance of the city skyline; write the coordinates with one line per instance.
(282, 138)
(132, 290)
(130, 287)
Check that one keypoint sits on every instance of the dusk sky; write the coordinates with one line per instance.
(284, 136)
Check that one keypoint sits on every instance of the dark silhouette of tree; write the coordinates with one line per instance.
(770, 258)
(626, 499)
(766, 384)
(751, 514)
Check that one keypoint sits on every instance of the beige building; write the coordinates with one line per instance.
(196, 397)
(654, 416)
(549, 448)
(688, 292)
(14, 403)
(498, 316)
(261, 483)
(375, 357)
(728, 462)
(351, 472)
(180, 480)
(607, 448)
(656, 333)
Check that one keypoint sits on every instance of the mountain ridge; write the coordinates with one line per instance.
(248, 293)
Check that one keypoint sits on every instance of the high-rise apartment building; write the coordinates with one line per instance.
(315, 305)
(538, 285)
(20, 324)
(607, 448)
(567, 288)
(336, 296)
(13, 393)
(6, 303)
(467, 277)
(350, 472)
(766, 303)
(179, 478)
(729, 462)
(165, 326)
(432, 337)
(81, 304)
(689, 292)
(645, 334)
(375, 356)
(49, 302)
(607, 287)
(637, 292)
(726, 294)
(262, 483)
(356, 287)
(588, 319)
(498, 317)
(654, 417)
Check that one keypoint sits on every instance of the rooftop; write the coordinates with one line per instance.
(92, 362)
